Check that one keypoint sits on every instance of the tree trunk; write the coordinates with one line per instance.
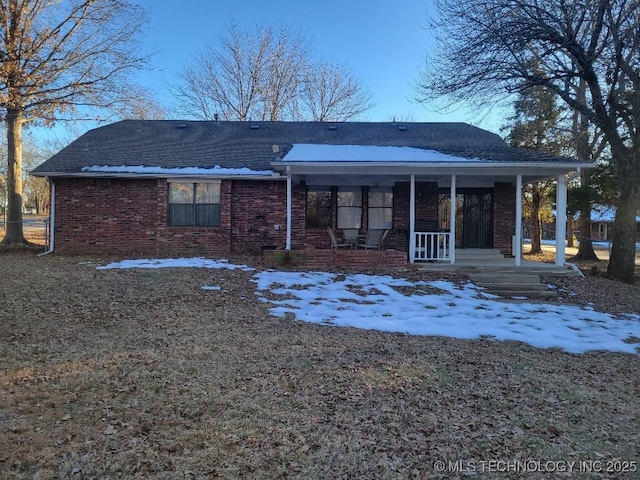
(15, 233)
(570, 231)
(536, 223)
(583, 150)
(623, 249)
(585, 250)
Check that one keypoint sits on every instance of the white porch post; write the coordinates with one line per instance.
(561, 219)
(412, 219)
(288, 241)
(517, 253)
(452, 221)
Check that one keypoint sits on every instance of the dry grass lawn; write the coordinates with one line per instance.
(142, 374)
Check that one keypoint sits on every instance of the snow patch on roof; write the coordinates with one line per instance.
(607, 214)
(217, 170)
(306, 152)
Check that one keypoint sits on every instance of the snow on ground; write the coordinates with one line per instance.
(212, 287)
(397, 305)
(195, 262)
(596, 243)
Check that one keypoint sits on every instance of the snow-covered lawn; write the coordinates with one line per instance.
(425, 308)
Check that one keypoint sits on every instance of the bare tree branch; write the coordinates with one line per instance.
(57, 56)
(267, 74)
(488, 49)
(331, 93)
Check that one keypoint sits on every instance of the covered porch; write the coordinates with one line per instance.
(441, 205)
(435, 245)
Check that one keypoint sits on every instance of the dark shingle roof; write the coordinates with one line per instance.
(174, 143)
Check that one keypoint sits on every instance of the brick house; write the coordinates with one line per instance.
(160, 187)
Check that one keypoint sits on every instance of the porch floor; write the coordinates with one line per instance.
(485, 260)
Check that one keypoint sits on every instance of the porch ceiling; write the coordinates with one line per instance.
(389, 175)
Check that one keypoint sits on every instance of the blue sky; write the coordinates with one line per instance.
(383, 42)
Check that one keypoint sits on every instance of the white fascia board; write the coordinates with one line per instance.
(431, 165)
(501, 168)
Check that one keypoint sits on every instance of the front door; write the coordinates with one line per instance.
(474, 216)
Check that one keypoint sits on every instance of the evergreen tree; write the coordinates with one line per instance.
(535, 126)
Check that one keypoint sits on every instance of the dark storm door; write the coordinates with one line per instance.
(477, 219)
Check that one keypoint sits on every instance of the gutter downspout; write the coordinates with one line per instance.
(52, 217)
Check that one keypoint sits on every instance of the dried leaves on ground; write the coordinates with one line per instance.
(143, 374)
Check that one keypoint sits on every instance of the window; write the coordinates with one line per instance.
(380, 207)
(349, 207)
(194, 204)
(318, 214)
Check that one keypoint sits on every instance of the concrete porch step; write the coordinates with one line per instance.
(513, 285)
(524, 294)
(478, 253)
(503, 278)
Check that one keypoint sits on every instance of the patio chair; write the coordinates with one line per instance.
(374, 239)
(334, 243)
(350, 235)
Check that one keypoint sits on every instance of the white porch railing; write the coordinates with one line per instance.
(432, 246)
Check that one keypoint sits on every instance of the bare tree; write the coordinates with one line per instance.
(138, 103)
(3, 186)
(247, 76)
(267, 74)
(491, 47)
(330, 92)
(56, 58)
(36, 189)
(287, 64)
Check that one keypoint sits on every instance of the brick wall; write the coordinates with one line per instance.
(129, 216)
(258, 215)
(125, 216)
(327, 258)
(426, 203)
(504, 216)
(106, 215)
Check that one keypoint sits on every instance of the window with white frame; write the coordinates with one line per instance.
(380, 212)
(349, 207)
(318, 211)
(194, 204)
